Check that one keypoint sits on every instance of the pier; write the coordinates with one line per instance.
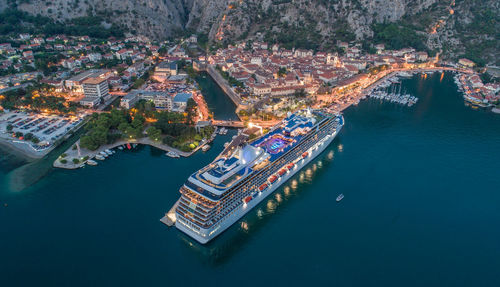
(169, 218)
(345, 99)
(79, 154)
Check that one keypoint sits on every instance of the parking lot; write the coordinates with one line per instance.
(46, 128)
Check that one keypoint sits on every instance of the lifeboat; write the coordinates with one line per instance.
(304, 155)
(262, 187)
(290, 165)
(282, 172)
(247, 199)
(273, 178)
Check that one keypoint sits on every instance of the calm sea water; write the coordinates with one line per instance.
(421, 208)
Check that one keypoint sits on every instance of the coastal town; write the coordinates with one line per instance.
(50, 87)
(178, 142)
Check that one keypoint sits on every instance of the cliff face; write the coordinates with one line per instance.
(154, 18)
(159, 18)
(233, 19)
(444, 24)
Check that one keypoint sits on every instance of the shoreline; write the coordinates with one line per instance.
(24, 151)
(365, 91)
(73, 153)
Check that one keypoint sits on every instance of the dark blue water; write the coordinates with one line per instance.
(220, 105)
(421, 208)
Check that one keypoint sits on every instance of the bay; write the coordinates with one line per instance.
(421, 188)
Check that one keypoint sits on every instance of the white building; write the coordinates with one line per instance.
(95, 57)
(95, 88)
(90, 102)
(180, 101)
(256, 60)
(260, 90)
(163, 102)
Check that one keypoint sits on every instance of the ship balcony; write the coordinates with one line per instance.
(199, 205)
(203, 217)
(197, 198)
(193, 218)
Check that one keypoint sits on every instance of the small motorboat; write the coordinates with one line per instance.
(172, 154)
(91, 162)
(205, 147)
(99, 157)
(340, 197)
(129, 146)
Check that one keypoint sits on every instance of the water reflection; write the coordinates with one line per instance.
(286, 190)
(278, 197)
(226, 245)
(330, 155)
(244, 226)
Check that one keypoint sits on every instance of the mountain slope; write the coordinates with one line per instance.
(457, 27)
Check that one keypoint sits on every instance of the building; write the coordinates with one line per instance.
(260, 90)
(129, 100)
(161, 100)
(75, 83)
(193, 39)
(466, 63)
(95, 57)
(90, 102)
(422, 56)
(165, 69)
(180, 101)
(95, 88)
(380, 48)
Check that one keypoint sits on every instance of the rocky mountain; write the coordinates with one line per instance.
(447, 25)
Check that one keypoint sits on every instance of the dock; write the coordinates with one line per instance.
(169, 218)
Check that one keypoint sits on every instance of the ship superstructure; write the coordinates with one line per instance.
(219, 194)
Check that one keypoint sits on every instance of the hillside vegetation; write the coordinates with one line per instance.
(455, 27)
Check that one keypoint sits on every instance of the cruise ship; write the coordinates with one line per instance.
(246, 172)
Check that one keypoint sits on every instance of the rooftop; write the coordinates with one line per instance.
(94, 81)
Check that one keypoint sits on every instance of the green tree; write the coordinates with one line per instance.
(154, 133)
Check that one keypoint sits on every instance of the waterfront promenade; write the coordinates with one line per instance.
(364, 90)
(81, 153)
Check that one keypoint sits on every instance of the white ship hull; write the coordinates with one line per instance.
(205, 235)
